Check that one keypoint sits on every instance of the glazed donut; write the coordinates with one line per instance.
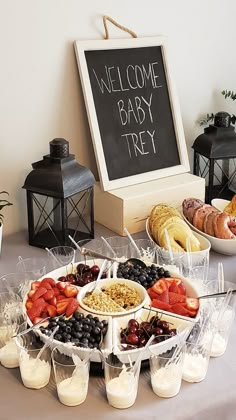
(222, 224)
(199, 215)
(208, 223)
(178, 234)
(189, 206)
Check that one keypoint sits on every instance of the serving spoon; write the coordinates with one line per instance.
(90, 253)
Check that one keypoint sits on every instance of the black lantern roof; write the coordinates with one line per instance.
(58, 174)
(219, 140)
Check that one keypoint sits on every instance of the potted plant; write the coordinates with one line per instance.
(3, 203)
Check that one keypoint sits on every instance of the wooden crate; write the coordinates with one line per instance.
(129, 207)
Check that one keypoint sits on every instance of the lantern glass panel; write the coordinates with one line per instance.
(78, 215)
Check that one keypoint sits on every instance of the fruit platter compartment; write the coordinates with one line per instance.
(109, 327)
(129, 331)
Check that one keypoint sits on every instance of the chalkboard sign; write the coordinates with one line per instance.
(133, 112)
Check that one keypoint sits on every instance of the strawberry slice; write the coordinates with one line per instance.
(45, 284)
(38, 319)
(160, 286)
(35, 285)
(70, 291)
(52, 311)
(56, 291)
(62, 284)
(179, 308)
(53, 301)
(181, 289)
(31, 293)
(50, 281)
(29, 304)
(60, 297)
(176, 298)
(48, 295)
(164, 297)
(72, 306)
(152, 294)
(160, 305)
(37, 308)
(38, 293)
(61, 306)
(173, 287)
(192, 304)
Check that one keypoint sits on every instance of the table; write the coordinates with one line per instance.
(212, 399)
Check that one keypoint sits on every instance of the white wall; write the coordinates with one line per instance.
(40, 92)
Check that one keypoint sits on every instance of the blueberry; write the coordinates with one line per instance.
(86, 321)
(58, 337)
(166, 273)
(85, 327)
(96, 330)
(78, 315)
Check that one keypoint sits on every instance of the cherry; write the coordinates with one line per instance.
(104, 275)
(95, 270)
(62, 278)
(132, 339)
(133, 330)
(158, 331)
(71, 278)
(163, 324)
(142, 341)
(133, 323)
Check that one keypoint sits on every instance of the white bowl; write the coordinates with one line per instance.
(109, 282)
(219, 203)
(223, 246)
(198, 256)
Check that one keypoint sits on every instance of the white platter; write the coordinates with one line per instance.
(115, 323)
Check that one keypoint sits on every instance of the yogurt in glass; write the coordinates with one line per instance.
(73, 390)
(122, 390)
(166, 381)
(194, 367)
(34, 373)
(9, 355)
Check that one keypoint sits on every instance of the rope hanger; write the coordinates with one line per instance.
(123, 28)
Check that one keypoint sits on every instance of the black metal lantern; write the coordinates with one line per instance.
(214, 158)
(59, 199)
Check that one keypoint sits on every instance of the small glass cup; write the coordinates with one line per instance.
(170, 262)
(37, 266)
(166, 370)
(147, 251)
(35, 371)
(9, 357)
(93, 244)
(17, 283)
(222, 317)
(121, 382)
(120, 246)
(61, 256)
(196, 359)
(71, 380)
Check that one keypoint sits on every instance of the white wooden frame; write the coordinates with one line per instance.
(80, 48)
